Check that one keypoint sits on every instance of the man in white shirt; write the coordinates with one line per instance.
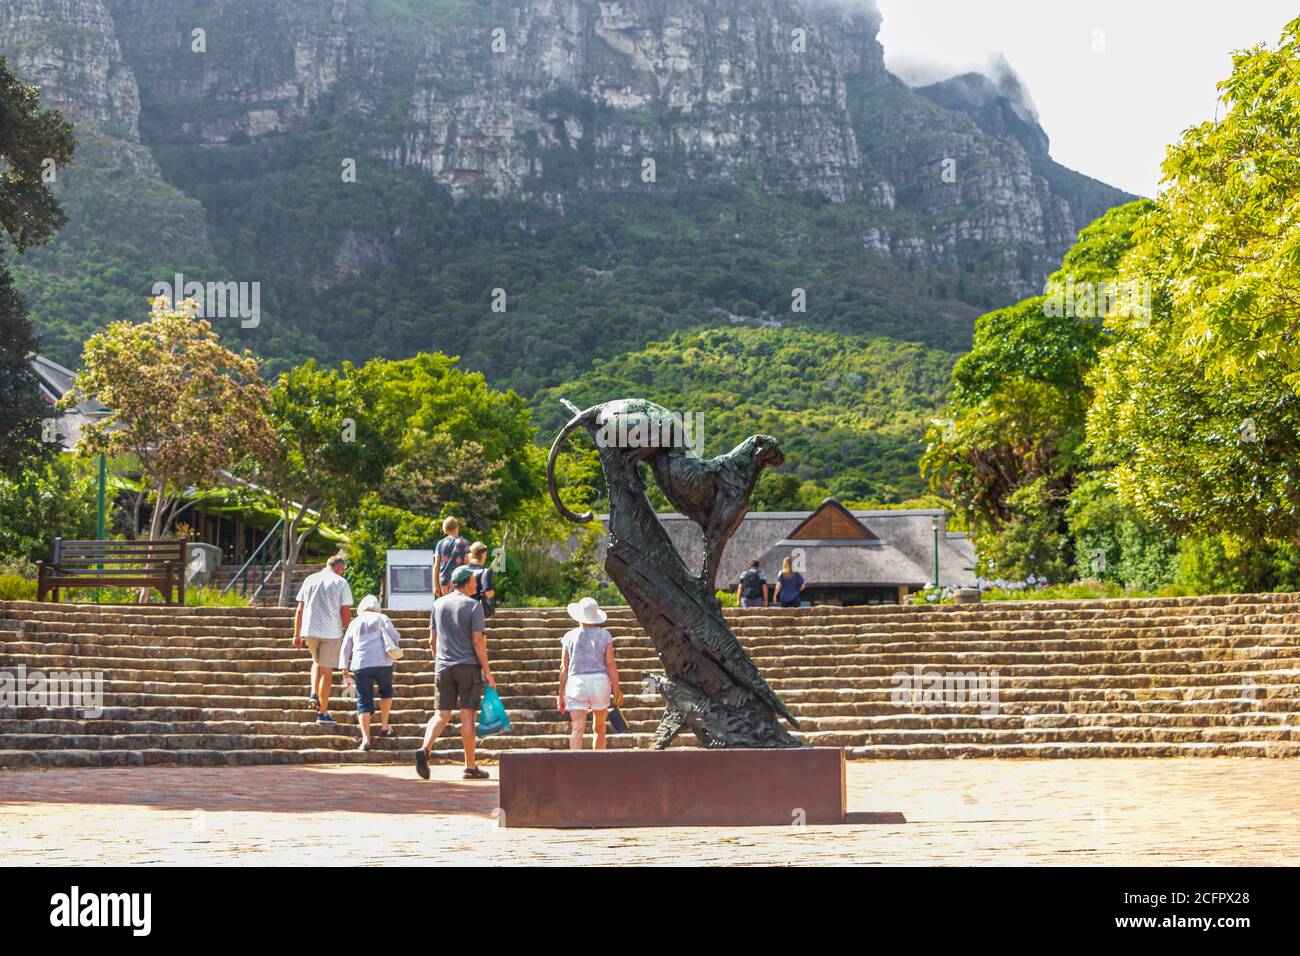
(324, 612)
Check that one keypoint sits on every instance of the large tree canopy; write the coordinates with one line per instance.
(1197, 412)
(182, 405)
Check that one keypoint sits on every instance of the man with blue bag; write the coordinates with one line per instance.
(459, 646)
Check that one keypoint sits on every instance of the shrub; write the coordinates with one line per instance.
(14, 587)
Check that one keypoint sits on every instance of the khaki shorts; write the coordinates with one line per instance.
(325, 651)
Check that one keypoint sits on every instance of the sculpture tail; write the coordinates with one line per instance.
(579, 418)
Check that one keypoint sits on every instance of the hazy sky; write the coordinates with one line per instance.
(1110, 112)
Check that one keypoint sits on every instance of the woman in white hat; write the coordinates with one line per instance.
(588, 674)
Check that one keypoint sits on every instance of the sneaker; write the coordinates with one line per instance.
(325, 719)
(422, 762)
(314, 701)
(475, 773)
(364, 745)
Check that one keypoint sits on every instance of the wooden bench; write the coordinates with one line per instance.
(134, 564)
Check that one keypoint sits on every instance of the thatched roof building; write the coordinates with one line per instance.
(847, 556)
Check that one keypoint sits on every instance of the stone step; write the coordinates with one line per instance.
(830, 702)
(856, 737)
(411, 723)
(271, 710)
(83, 647)
(282, 627)
(1021, 615)
(532, 673)
(18, 759)
(422, 682)
(231, 695)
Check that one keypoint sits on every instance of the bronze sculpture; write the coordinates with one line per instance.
(710, 685)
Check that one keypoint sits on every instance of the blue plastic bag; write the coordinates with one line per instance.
(492, 717)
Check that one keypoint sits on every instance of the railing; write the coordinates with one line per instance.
(259, 567)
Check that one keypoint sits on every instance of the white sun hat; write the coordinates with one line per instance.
(587, 611)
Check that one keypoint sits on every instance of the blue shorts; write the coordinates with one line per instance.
(366, 679)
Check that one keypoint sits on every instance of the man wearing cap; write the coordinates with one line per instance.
(459, 646)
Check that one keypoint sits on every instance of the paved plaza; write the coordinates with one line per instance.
(1211, 811)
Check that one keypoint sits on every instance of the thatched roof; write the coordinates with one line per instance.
(901, 554)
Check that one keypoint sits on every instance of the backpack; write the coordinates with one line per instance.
(752, 583)
(489, 605)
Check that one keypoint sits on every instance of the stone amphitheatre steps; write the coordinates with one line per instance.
(1210, 676)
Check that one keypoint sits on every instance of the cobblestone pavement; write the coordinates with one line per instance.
(1145, 812)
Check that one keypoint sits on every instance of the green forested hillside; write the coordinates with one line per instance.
(609, 274)
(126, 229)
(850, 411)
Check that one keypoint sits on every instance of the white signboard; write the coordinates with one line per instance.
(409, 581)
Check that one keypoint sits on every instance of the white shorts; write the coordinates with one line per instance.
(587, 692)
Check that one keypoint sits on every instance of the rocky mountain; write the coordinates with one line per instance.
(610, 171)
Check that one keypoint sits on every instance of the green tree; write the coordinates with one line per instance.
(444, 477)
(54, 498)
(184, 407)
(34, 144)
(333, 444)
(1197, 412)
(1011, 447)
(378, 528)
(461, 440)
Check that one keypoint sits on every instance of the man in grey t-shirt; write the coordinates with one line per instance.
(459, 646)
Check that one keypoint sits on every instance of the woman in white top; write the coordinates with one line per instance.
(588, 673)
(370, 646)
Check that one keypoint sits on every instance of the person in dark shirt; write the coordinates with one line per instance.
(486, 594)
(753, 588)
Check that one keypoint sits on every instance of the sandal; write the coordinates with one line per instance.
(387, 732)
(475, 773)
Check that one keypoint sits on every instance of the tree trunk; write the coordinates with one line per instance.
(156, 524)
(291, 542)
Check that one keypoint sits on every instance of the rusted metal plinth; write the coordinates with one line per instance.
(664, 788)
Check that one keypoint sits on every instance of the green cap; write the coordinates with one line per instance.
(462, 574)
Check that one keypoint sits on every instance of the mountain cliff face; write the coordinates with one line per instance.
(493, 99)
(69, 48)
(685, 162)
